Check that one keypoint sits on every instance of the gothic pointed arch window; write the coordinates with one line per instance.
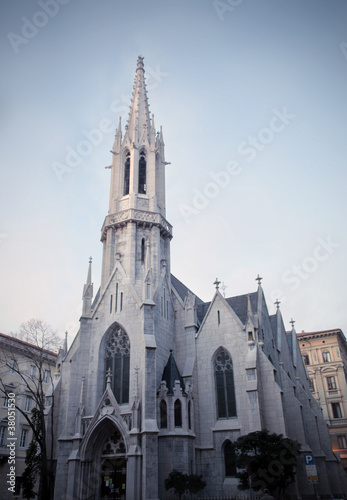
(178, 413)
(118, 361)
(126, 184)
(229, 459)
(143, 250)
(142, 173)
(189, 415)
(163, 414)
(225, 388)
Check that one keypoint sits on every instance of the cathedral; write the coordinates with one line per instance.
(156, 379)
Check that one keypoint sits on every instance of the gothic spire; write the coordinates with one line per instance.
(88, 292)
(139, 123)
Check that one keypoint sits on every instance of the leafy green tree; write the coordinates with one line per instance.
(267, 461)
(31, 470)
(184, 483)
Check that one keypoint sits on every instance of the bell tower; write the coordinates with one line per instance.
(135, 232)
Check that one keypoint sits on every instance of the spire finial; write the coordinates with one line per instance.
(65, 342)
(277, 303)
(258, 278)
(292, 322)
(217, 283)
(89, 275)
(140, 63)
(224, 287)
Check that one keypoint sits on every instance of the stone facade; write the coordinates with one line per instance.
(325, 356)
(156, 379)
(20, 364)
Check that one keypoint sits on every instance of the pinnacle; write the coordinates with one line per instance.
(139, 118)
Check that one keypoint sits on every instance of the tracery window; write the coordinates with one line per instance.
(126, 174)
(229, 459)
(142, 173)
(118, 361)
(114, 445)
(225, 389)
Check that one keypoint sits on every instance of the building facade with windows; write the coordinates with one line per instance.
(157, 379)
(16, 371)
(325, 357)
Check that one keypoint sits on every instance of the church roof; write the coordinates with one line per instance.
(171, 374)
(273, 322)
(182, 290)
(238, 304)
(96, 298)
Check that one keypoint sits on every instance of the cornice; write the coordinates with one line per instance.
(141, 217)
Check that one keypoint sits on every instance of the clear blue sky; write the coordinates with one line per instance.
(251, 95)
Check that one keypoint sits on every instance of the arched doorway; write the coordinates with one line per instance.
(113, 468)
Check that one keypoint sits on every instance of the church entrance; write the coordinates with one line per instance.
(113, 468)
(113, 480)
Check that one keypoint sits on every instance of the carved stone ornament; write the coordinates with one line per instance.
(107, 408)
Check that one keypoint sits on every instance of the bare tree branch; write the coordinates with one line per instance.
(26, 360)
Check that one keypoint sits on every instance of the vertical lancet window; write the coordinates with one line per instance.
(118, 361)
(189, 415)
(163, 414)
(142, 173)
(126, 174)
(178, 413)
(225, 388)
(143, 250)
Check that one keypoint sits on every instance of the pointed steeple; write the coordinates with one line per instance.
(260, 301)
(171, 374)
(65, 343)
(139, 124)
(294, 342)
(278, 325)
(137, 209)
(88, 292)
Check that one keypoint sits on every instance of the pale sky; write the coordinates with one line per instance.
(252, 97)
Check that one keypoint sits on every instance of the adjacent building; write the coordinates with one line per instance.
(157, 379)
(19, 370)
(325, 356)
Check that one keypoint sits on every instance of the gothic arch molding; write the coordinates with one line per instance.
(114, 342)
(97, 434)
(223, 369)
